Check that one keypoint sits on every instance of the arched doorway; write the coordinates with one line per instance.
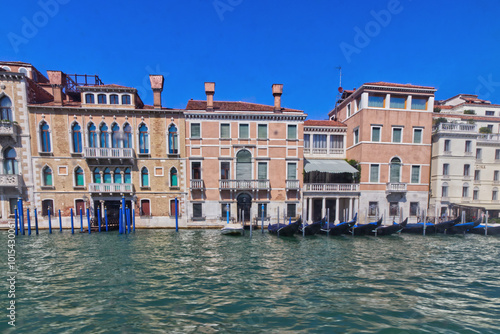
(244, 201)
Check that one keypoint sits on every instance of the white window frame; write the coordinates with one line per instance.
(349, 110)
(416, 128)
(378, 174)
(447, 168)
(140, 176)
(380, 134)
(267, 131)
(296, 171)
(296, 131)
(170, 177)
(220, 130)
(74, 176)
(191, 132)
(356, 130)
(239, 131)
(158, 171)
(392, 134)
(419, 174)
(230, 169)
(191, 169)
(267, 169)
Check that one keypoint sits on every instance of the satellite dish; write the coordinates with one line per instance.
(341, 90)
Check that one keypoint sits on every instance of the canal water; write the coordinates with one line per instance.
(198, 281)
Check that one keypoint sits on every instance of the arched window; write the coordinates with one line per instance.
(23, 70)
(47, 176)
(244, 165)
(115, 136)
(89, 98)
(127, 177)
(113, 99)
(395, 170)
(93, 135)
(125, 99)
(101, 99)
(45, 136)
(144, 177)
(104, 138)
(76, 130)
(107, 176)
(172, 140)
(143, 139)
(79, 177)
(117, 176)
(6, 109)
(127, 136)
(9, 161)
(174, 182)
(97, 175)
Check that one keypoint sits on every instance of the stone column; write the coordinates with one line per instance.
(323, 207)
(337, 209)
(309, 209)
(350, 208)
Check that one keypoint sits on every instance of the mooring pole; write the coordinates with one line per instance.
(120, 221)
(16, 218)
(125, 220)
(176, 216)
(72, 222)
(278, 223)
(36, 222)
(60, 221)
(328, 222)
(128, 220)
(133, 220)
(99, 219)
(50, 221)
(106, 218)
(21, 214)
(29, 220)
(425, 227)
(262, 214)
(81, 221)
(251, 226)
(486, 225)
(88, 219)
(227, 213)
(123, 214)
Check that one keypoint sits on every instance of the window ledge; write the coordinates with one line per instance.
(145, 188)
(45, 154)
(292, 139)
(77, 154)
(48, 187)
(79, 187)
(198, 218)
(173, 155)
(144, 155)
(175, 188)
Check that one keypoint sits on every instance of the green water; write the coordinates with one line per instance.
(160, 281)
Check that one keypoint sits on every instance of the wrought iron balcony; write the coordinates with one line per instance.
(10, 180)
(244, 184)
(8, 129)
(396, 187)
(331, 187)
(111, 188)
(109, 153)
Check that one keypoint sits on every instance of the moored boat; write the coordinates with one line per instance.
(492, 229)
(339, 229)
(232, 229)
(389, 229)
(430, 228)
(462, 228)
(284, 230)
(311, 229)
(364, 229)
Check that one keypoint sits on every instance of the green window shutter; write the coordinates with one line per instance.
(396, 135)
(417, 136)
(225, 131)
(415, 174)
(244, 133)
(174, 180)
(292, 171)
(262, 172)
(195, 130)
(374, 173)
(292, 132)
(376, 134)
(262, 131)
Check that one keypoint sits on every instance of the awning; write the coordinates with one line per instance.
(486, 207)
(328, 166)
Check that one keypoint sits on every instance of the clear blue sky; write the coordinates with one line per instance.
(247, 45)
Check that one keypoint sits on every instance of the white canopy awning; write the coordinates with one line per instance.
(328, 166)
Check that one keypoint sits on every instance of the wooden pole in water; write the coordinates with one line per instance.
(250, 226)
(120, 217)
(128, 220)
(99, 219)
(262, 214)
(72, 222)
(88, 219)
(123, 214)
(328, 222)
(278, 223)
(60, 221)
(16, 218)
(227, 213)
(50, 223)
(125, 220)
(486, 225)
(106, 217)
(176, 216)
(29, 220)
(133, 220)
(425, 227)
(36, 222)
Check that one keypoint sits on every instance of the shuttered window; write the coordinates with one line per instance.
(225, 130)
(262, 131)
(244, 133)
(292, 171)
(195, 130)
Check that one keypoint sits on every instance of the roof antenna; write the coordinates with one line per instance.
(341, 90)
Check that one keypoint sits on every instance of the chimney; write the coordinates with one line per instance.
(277, 91)
(210, 91)
(57, 80)
(157, 87)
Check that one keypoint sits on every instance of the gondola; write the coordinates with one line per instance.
(463, 227)
(284, 230)
(389, 229)
(341, 228)
(311, 229)
(365, 229)
(430, 228)
(444, 226)
(493, 229)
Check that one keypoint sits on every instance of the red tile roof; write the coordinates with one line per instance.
(389, 84)
(233, 106)
(312, 122)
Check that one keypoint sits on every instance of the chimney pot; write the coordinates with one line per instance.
(277, 91)
(57, 80)
(157, 87)
(210, 91)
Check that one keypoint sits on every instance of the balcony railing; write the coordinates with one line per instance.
(8, 129)
(197, 184)
(331, 151)
(331, 187)
(244, 184)
(396, 187)
(109, 153)
(455, 127)
(10, 180)
(292, 184)
(489, 138)
(109, 188)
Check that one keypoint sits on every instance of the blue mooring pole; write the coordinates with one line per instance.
(36, 221)
(60, 222)
(16, 217)
(29, 221)
(133, 219)
(227, 213)
(128, 221)
(50, 223)
(120, 222)
(81, 220)
(21, 214)
(176, 215)
(88, 219)
(262, 211)
(106, 217)
(99, 218)
(124, 220)
(72, 222)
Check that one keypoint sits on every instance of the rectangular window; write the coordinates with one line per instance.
(447, 145)
(290, 210)
(292, 132)
(262, 171)
(125, 99)
(196, 170)
(397, 134)
(465, 192)
(358, 104)
(113, 99)
(479, 153)
(307, 141)
(337, 142)
(225, 209)
(262, 131)
(446, 169)
(319, 141)
(373, 208)
(291, 171)
(394, 209)
(466, 170)
(494, 195)
(225, 131)
(356, 136)
(197, 210)
(475, 195)
(490, 127)
(444, 191)
(225, 170)
(244, 132)
(490, 113)
(195, 130)
(417, 136)
(376, 101)
(12, 206)
(89, 98)
(374, 171)
(47, 205)
(375, 133)
(415, 174)
(468, 146)
(496, 175)
(477, 175)
(497, 154)
(259, 211)
(414, 209)
(349, 110)
(398, 102)
(419, 103)
(101, 99)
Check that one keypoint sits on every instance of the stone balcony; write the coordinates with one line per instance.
(8, 129)
(396, 187)
(330, 152)
(455, 128)
(108, 154)
(197, 184)
(292, 185)
(244, 185)
(330, 187)
(489, 139)
(10, 180)
(111, 188)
